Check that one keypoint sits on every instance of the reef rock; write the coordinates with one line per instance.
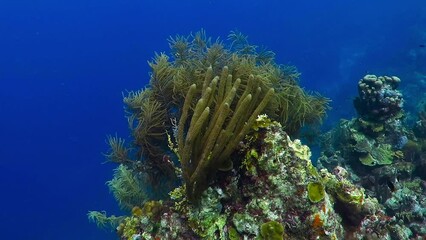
(274, 192)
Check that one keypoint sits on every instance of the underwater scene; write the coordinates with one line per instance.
(230, 120)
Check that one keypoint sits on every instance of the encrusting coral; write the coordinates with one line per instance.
(269, 201)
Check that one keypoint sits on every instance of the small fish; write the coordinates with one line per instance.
(422, 45)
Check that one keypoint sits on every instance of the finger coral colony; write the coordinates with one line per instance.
(214, 154)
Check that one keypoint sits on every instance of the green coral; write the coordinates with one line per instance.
(207, 220)
(245, 223)
(349, 193)
(371, 128)
(262, 121)
(178, 193)
(249, 161)
(383, 154)
(367, 160)
(355, 144)
(102, 220)
(345, 191)
(379, 155)
(252, 155)
(316, 191)
(300, 150)
(129, 227)
(128, 189)
(233, 234)
(152, 209)
(272, 230)
(181, 204)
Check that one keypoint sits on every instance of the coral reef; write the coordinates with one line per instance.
(214, 154)
(379, 99)
(199, 104)
(378, 152)
(419, 128)
(265, 197)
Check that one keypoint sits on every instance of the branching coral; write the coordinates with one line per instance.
(207, 94)
(212, 137)
(206, 72)
(147, 121)
(118, 152)
(294, 108)
(127, 188)
(102, 220)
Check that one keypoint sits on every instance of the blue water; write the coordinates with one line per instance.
(64, 65)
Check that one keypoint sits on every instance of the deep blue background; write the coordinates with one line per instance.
(64, 65)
